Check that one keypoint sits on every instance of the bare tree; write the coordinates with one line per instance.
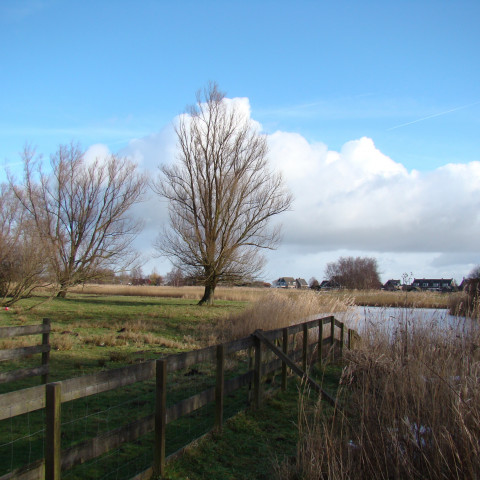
(475, 273)
(350, 272)
(221, 195)
(80, 211)
(22, 256)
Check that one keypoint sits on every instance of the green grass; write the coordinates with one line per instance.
(253, 443)
(92, 332)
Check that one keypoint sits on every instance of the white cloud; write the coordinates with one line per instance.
(355, 200)
(97, 153)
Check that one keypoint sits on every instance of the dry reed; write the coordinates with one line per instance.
(279, 309)
(236, 294)
(416, 398)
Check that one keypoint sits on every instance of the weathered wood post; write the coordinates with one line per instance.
(219, 387)
(342, 337)
(305, 348)
(332, 335)
(320, 341)
(46, 355)
(350, 338)
(53, 401)
(257, 375)
(160, 418)
(285, 351)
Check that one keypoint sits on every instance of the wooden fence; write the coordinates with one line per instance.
(16, 353)
(51, 396)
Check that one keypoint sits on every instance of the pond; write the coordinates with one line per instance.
(390, 319)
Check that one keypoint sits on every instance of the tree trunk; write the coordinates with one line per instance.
(208, 294)
(63, 292)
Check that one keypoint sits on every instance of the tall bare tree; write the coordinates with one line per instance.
(350, 272)
(80, 211)
(221, 195)
(22, 256)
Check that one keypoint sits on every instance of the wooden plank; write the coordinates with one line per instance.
(238, 345)
(284, 365)
(257, 376)
(32, 471)
(342, 337)
(219, 387)
(235, 383)
(160, 417)
(22, 352)
(294, 367)
(22, 401)
(87, 385)
(101, 444)
(338, 323)
(8, 332)
(46, 355)
(320, 341)
(305, 347)
(189, 405)
(23, 373)
(145, 475)
(187, 359)
(53, 422)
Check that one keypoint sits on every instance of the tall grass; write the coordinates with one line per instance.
(467, 303)
(280, 308)
(414, 411)
(235, 294)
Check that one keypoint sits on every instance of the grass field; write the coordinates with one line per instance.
(100, 327)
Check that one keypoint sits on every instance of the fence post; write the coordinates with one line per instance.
(332, 335)
(53, 401)
(257, 374)
(285, 351)
(305, 347)
(46, 355)
(160, 418)
(342, 337)
(320, 341)
(219, 387)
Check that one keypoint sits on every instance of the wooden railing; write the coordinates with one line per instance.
(17, 353)
(51, 396)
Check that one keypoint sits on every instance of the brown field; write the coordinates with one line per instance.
(378, 298)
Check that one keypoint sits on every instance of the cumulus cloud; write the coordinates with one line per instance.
(359, 198)
(354, 200)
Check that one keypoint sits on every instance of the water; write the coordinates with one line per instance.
(390, 319)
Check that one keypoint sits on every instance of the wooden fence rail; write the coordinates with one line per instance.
(51, 396)
(17, 353)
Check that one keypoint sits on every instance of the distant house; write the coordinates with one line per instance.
(301, 283)
(329, 285)
(392, 285)
(435, 284)
(285, 282)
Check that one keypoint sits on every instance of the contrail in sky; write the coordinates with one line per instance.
(434, 115)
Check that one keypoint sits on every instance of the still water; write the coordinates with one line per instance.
(391, 318)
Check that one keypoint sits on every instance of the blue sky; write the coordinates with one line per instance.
(403, 74)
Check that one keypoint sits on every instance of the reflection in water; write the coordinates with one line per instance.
(389, 319)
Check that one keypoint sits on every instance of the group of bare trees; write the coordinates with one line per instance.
(67, 226)
(354, 273)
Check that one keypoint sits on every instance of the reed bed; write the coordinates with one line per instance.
(413, 299)
(234, 294)
(413, 403)
(279, 309)
(378, 298)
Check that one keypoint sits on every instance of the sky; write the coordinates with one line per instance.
(371, 110)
